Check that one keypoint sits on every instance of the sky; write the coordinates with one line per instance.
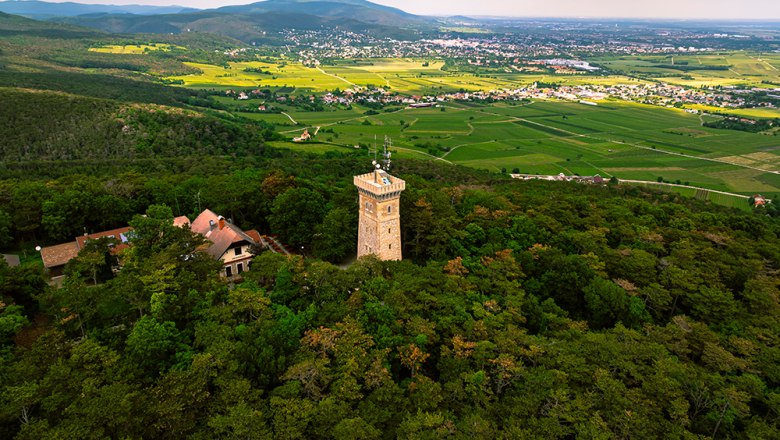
(675, 9)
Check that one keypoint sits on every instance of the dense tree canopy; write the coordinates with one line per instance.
(57, 126)
(522, 310)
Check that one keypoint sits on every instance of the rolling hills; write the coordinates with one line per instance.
(45, 10)
(258, 22)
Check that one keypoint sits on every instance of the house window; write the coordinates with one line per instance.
(238, 251)
(229, 271)
(240, 267)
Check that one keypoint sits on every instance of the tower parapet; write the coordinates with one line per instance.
(380, 183)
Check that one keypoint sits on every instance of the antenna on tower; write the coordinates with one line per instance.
(373, 149)
(386, 154)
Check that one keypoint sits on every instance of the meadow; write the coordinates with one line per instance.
(625, 140)
(615, 138)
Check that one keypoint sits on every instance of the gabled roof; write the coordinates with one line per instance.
(60, 254)
(207, 225)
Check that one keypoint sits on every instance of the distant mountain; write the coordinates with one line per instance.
(44, 10)
(360, 10)
(258, 21)
(11, 24)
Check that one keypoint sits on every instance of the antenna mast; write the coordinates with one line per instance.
(386, 162)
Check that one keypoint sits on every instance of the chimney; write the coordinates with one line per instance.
(221, 222)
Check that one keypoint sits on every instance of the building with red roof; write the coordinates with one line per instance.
(227, 242)
(56, 257)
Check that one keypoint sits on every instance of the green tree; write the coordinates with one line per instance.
(336, 237)
(6, 228)
(12, 320)
(295, 215)
(95, 261)
(608, 304)
(153, 345)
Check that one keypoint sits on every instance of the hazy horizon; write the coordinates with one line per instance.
(659, 9)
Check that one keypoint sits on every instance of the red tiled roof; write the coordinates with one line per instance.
(254, 235)
(221, 239)
(181, 221)
(114, 233)
(60, 254)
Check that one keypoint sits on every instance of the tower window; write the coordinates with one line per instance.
(389, 246)
(389, 209)
(388, 230)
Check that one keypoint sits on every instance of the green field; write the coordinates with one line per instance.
(739, 68)
(615, 138)
(629, 141)
(406, 76)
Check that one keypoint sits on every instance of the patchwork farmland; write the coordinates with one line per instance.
(614, 138)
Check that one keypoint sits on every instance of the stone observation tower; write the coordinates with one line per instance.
(379, 231)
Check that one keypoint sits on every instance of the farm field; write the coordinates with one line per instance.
(407, 76)
(274, 75)
(629, 141)
(721, 69)
(411, 76)
(615, 138)
(135, 49)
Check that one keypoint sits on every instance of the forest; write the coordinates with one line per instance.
(59, 126)
(521, 310)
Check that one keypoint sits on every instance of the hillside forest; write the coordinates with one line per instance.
(521, 310)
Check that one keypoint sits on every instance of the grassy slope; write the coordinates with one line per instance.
(629, 141)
